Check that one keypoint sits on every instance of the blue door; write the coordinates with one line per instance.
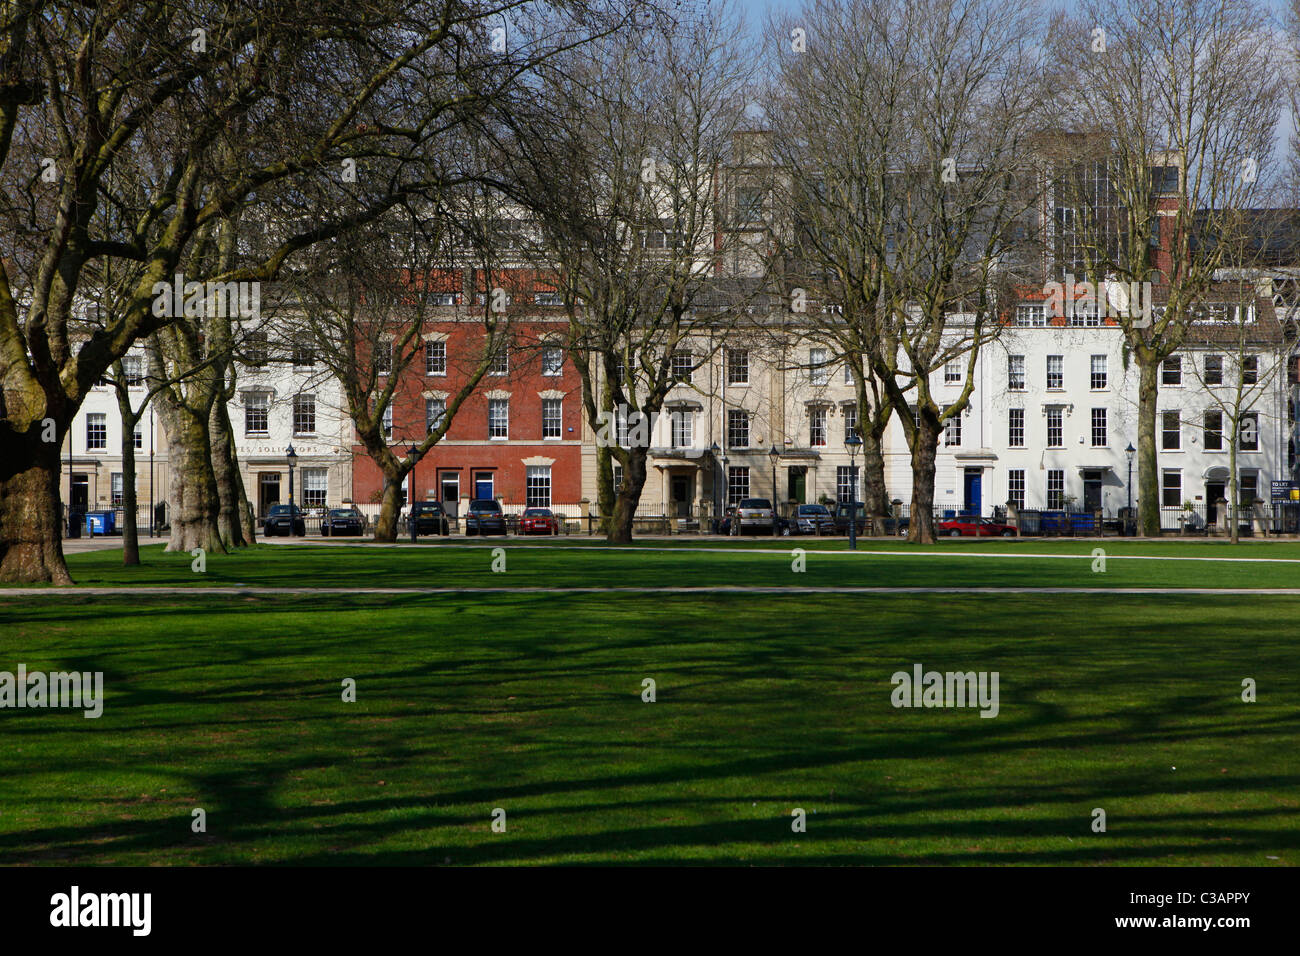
(973, 478)
(483, 485)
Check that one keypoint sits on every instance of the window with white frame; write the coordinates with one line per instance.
(1016, 487)
(500, 364)
(1031, 316)
(138, 435)
(845, 486)
(1055, 489)
(435, 358)
(115, 489)
(96, 431)
(552, 418)
(1055, 428)
(848, 374)
(952, 372)
(304, 352)
(616, 475)
(383, 357)
(1212, 439)
(1249, 489)
(257, 413)
(537, 492)
(1056, 371)
(1016, 428)
(1214, 370)
(683, 425)
(683, 366)
(133, 370)
(1171, 370)
(434, 410)
(818, 371)
(850, 413)
(737, 366)
(1099, 439)
(1249, 369)
(1248, 432)
(737, 428)
(1171, 431)
(388, 420)
(552, 360)
(1015, 373)
(817, 426)
(1171, 488)
(737, 484)
(1098, 377)
(256, 347)
(952, 430)
(314, 487)
(498, 418)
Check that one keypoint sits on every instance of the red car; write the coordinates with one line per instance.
(539, 521)
(975, 528)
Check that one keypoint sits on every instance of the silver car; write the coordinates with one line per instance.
(753, 516)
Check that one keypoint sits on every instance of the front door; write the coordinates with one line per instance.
(268, 491)
(681, 495)
(799, 484)
(449, 489)
(80, 494)
(974, 479)
(1092, 491)
(1213, 492)
(483, 485)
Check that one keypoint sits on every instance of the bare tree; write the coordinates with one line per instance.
(116, 143)
(1173, 105)
(624, 169)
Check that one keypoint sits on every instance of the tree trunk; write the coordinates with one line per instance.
(225, 469)
(192, 486)
(31, 533)
(921, 523)
(130, 532)
(386, 523)
(1234, 496)
(875, 496)
(1148, 496)
(619, 530)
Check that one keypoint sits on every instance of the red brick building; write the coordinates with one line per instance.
(517, 437)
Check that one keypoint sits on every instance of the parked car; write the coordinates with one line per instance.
(339, 521)
(841, 517)
(286, 520)
(812, 519)
(975, 527)
(429, 518)
(539, 521)
(753, 516)
(484, 517)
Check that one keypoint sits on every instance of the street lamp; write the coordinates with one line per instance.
(413, 453)
(1128, 511)
(772, 456)
(853, 443)
(717, 481)
(292, 457)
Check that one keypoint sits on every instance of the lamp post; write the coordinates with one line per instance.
(853, 443)
(414, 454)
(1128, 511)
(152, 506)
(292, 457)
(717, 479)
(772, 456)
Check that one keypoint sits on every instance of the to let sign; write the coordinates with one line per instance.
(1286, 491)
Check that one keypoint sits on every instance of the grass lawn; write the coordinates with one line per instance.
(531, 702)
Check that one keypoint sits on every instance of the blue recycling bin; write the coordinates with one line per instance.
(100, 522)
